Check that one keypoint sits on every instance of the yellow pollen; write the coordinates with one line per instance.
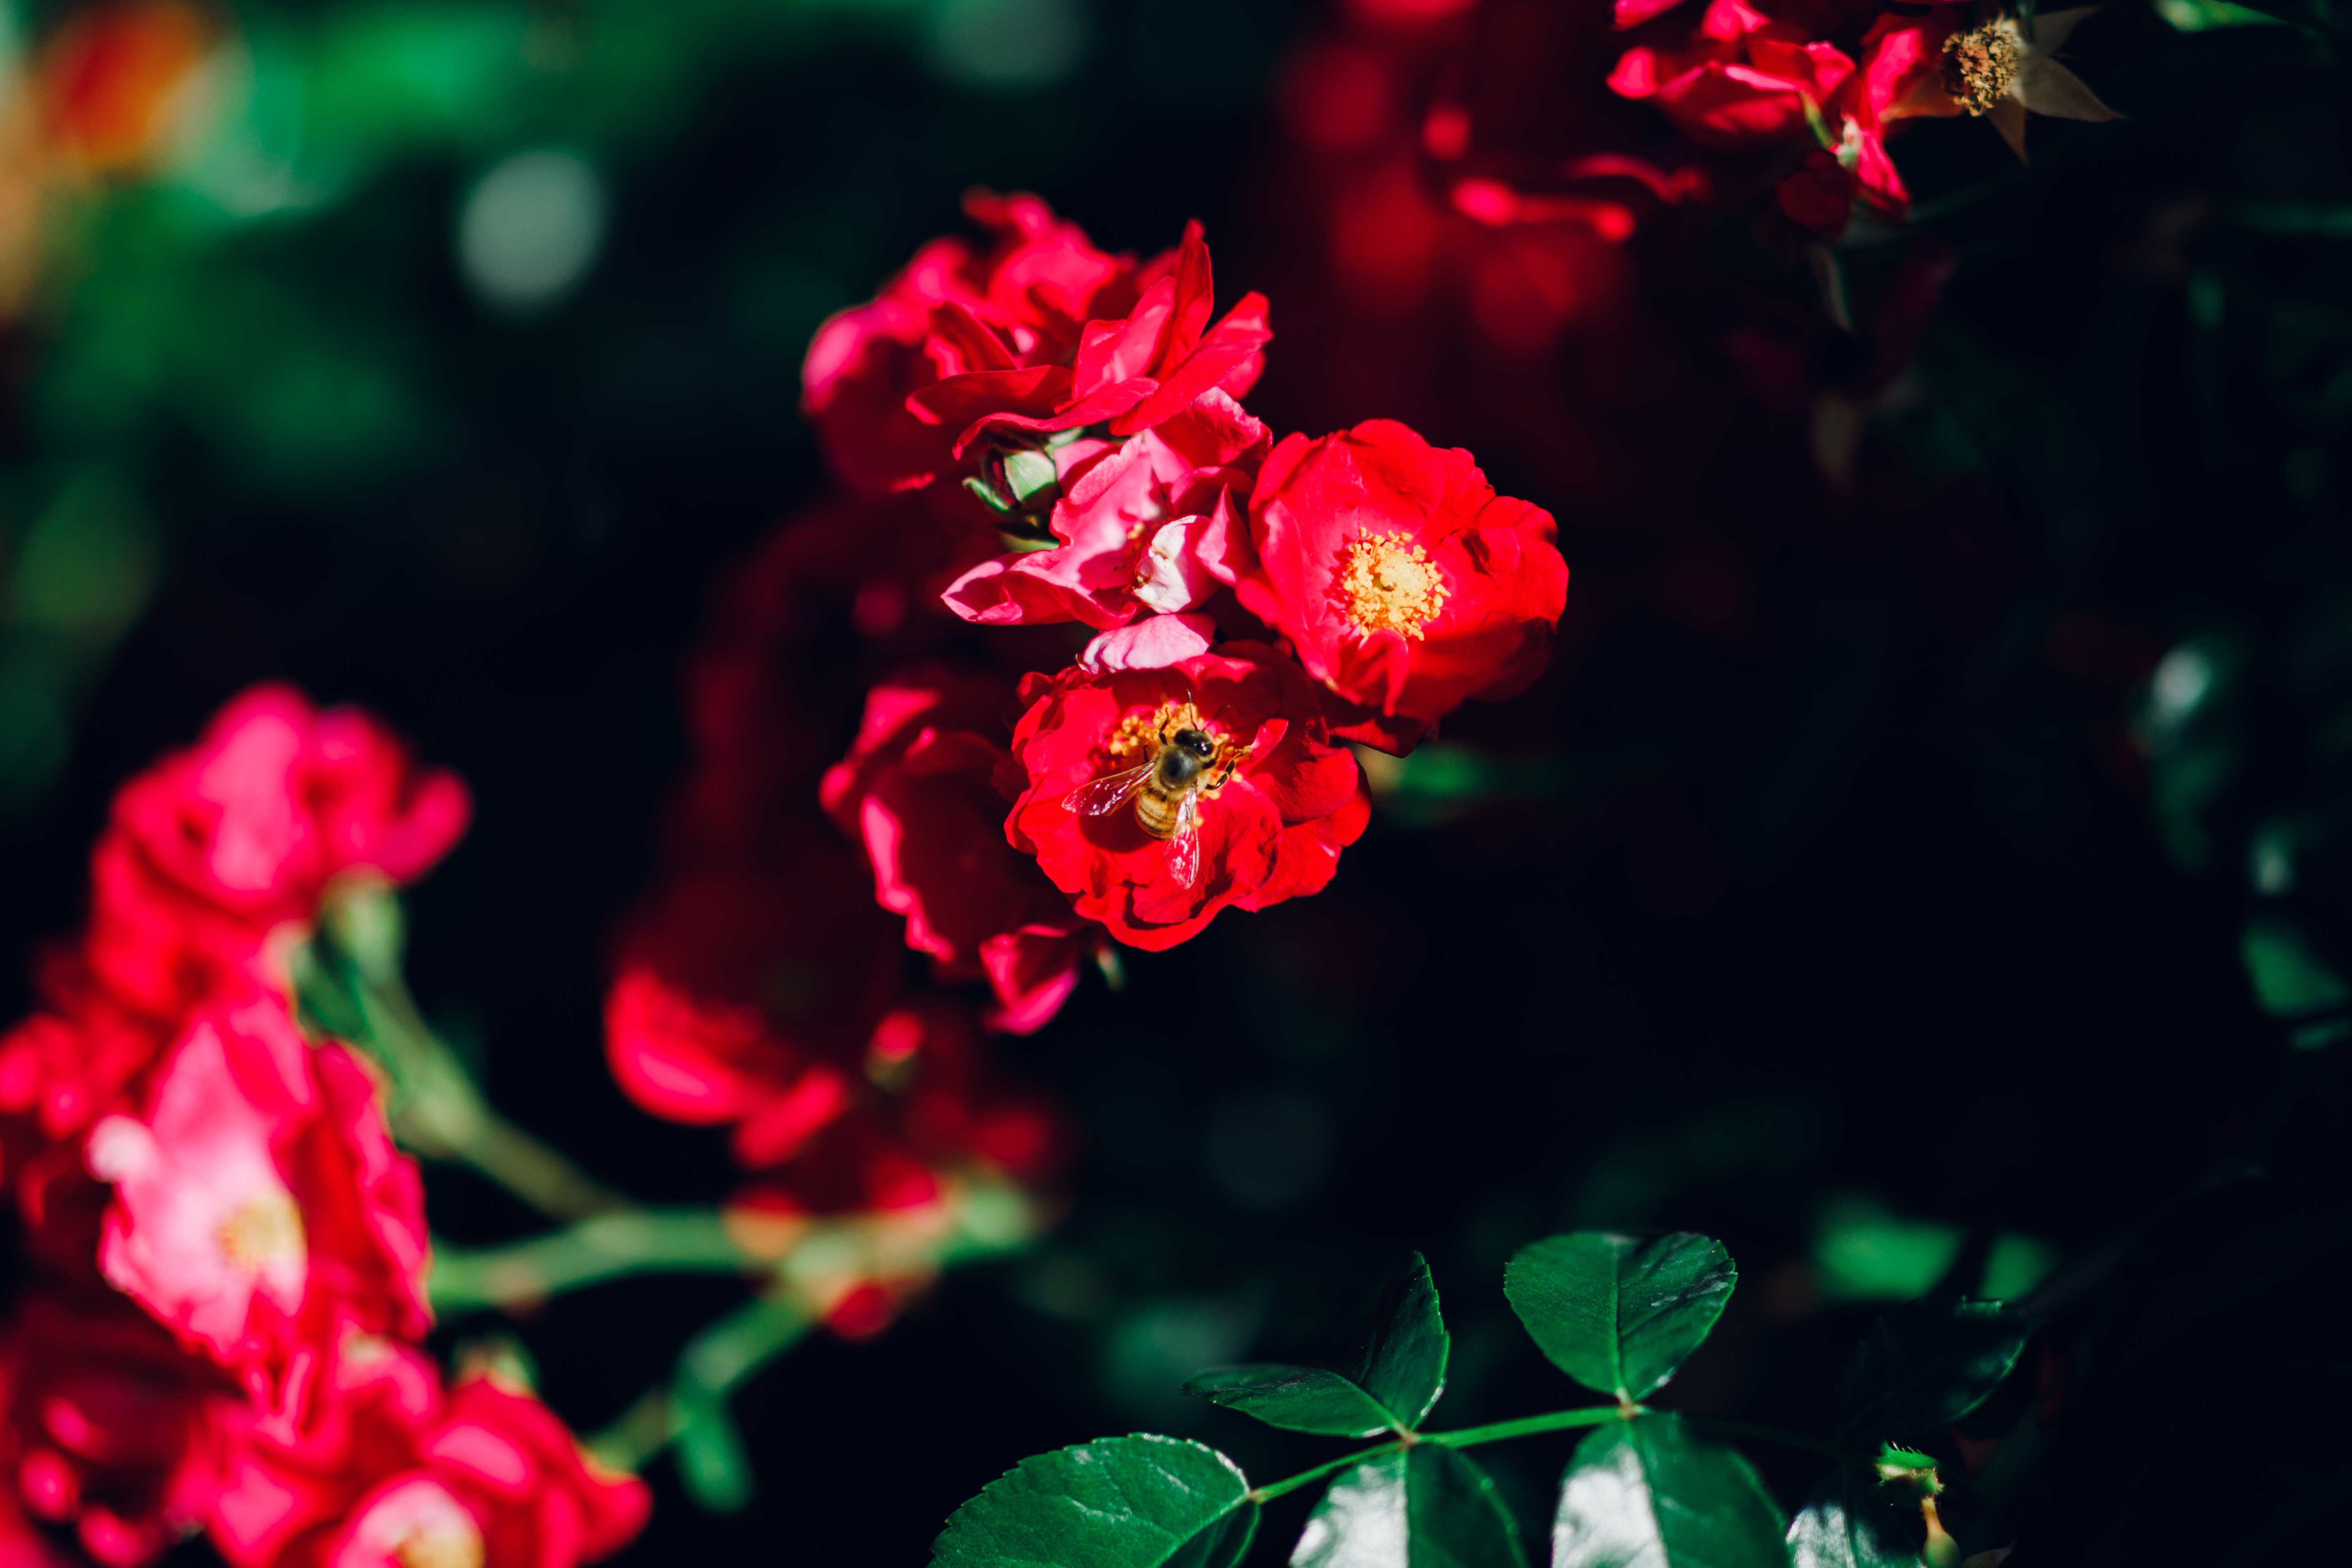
(1136, 734)
(265, 1231)
(1388, 582)
(1136, 738)
(1981, 65)
(443, 1544)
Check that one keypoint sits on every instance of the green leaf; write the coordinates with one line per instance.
(1924, 1365)
(1297, 1398)
(2204, 15)
(1645, 1493)
(1850, 1523)
(1116, 1502)
(1617, 1313)
(1388, 1380)
(1423, 1507)
(2289, 977)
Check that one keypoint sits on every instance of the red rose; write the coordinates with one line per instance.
(1405, 584)
(919, 790)
(1128, 374)
(396, 1473)
(902, 1158)
(260, 1210)
(1031, 291)
(213, 849)
(1821, 193)
(773, 682)
(1139, 522)
(111, 1426)
(65, 1068)
(1744, 77)
(1281, 801)
(1902, 67)
(750, 998)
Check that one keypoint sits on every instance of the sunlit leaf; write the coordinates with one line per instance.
(1924, 1365)
(2204, 15)
(1646, 1494)
(1116, 1502)
(1618, 1313)
(1390, 1375)
(1851, 1523)
(1425, 1507)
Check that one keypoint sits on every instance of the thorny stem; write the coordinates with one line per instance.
(1556, 1421)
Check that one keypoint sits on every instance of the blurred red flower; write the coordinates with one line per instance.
(1280, 801)
(213, 851)
(110, 1427)
(920, 790)
(399, 1473)
(749, 998)
(260, 1210)
(1741, 76)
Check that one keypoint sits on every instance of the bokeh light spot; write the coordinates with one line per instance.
(530, 228)
(1007, 43)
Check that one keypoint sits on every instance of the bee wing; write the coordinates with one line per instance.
(1108, 792)
(1184, 844)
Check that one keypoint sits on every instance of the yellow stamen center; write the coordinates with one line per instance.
(1981, 65)
(444, 1543)
(265, 1231)
(1137, 738)
(1388, 582)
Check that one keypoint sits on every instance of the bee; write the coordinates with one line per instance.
(1188, 763)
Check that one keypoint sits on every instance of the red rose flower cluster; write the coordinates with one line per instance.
(1095, 644)
(1254, 604)
(231, 1253)
(1833, 76)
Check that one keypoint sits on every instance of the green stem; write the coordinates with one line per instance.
(1559, 1420)
(1467, 1437)
(1556, 1421)
(1274, 1490)
(606, 1246)
(713, 1365)
(442, 1114)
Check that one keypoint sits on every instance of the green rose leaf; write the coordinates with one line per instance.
(1423, 1507)
(1924, 1365)
(1116, 1502)
(1645, 1493)
(1387, 1381)
(1618, 1313)
(1851, 1523)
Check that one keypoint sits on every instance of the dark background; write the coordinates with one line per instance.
(1883, 899)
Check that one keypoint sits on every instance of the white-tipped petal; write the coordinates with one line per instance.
(2007, 117)
(2046, 87)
